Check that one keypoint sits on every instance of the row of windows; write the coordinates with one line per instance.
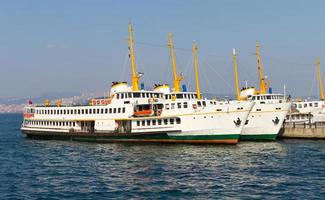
(267, 97)
(297, 117)
(154, 122)
(50, 123)
(306, 105)
(172, 105)
(153, 95)
(138, 95)
(81, 111)
(184, 105)
(181, 96)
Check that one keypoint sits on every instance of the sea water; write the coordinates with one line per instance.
(51, 169)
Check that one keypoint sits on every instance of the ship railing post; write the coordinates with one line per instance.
(309, 119)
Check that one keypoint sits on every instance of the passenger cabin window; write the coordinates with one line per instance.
(179, 105)
(173, 106)
(316, 104)
(136, 95)
(179, 96)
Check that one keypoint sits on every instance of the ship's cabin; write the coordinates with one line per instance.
(309, 104)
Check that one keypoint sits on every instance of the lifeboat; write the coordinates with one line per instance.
(144, 110)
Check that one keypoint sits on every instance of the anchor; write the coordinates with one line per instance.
(276, 121)
(237, 122)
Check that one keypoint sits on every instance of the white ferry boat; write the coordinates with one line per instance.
(310, 111)
(266, 118)
(134, 115)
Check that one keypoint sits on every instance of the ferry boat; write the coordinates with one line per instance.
(269, 111)
(309, 111)
(131, 114)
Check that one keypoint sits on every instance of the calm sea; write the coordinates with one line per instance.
(36, 169)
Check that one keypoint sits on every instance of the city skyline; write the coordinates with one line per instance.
(81, 46)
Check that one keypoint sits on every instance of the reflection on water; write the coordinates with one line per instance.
(61, 169)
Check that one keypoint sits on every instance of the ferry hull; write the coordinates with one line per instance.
(162, 137)
(258, 136)
(261, 125)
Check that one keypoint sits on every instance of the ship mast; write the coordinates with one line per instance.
(177, 78)
(263, 85)
(135, 75)
(198, 92)
(234, 56)
(320, 82)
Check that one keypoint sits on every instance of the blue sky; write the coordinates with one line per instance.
(81, 46)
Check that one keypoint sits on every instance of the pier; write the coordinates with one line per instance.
(306, 130)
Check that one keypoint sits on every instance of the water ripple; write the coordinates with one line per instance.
(36, 169)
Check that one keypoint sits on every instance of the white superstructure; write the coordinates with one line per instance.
(179, 116)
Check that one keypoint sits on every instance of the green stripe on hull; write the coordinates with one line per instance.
(258, 137)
